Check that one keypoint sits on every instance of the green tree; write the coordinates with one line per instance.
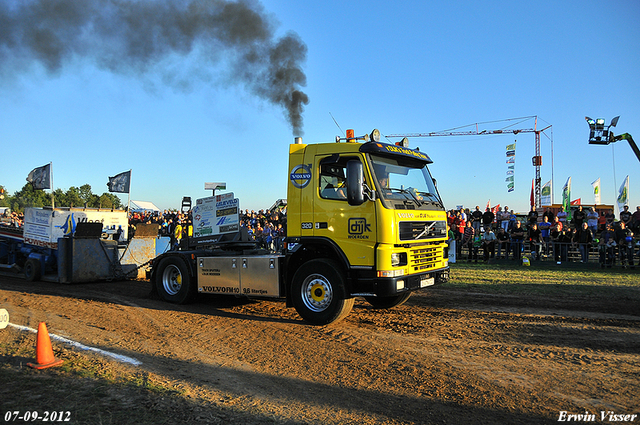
(85, 194)
(108, 200)
(73, 197)
(29, 197)
(94, 201)
(60, 198)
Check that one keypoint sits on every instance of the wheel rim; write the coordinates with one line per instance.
(171, 279)
(317, 292)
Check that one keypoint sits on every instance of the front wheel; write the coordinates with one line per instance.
(388, 302)
(318, 292)
(173, 281)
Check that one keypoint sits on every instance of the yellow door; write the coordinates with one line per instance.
(352, 228)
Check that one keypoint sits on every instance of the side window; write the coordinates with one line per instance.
(333, 182)
(333, 178)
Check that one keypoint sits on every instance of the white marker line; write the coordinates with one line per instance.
(118, 357)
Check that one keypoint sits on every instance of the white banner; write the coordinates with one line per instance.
(43, 227)
(623, 196)
(566, 198)
(596, 191)
(545, 194)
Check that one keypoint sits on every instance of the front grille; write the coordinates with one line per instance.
(415, 230)
(424, 258)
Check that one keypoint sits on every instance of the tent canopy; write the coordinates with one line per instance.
(140, 206)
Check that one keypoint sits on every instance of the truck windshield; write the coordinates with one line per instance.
(404, 180)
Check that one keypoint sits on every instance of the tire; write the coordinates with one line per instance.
(32, 270)
(173, 281)
(388, 302)
(318, 292)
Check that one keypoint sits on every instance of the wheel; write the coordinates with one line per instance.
(388, 302)
(318, 292)
(173, 281)
(32, 270)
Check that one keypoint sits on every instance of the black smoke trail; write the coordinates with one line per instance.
(180, 40)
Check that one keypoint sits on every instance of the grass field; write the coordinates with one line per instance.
(546, 279)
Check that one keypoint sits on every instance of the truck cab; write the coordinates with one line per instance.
(368, 212)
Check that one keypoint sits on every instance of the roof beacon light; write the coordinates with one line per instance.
(351, 135)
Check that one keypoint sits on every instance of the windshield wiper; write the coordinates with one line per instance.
(410, 193)
(433, 196)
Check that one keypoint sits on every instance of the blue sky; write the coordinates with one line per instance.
(401, 67)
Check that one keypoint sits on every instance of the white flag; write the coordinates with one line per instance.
(596, 191)
(545, 194)
(566, 198)
(623, 197)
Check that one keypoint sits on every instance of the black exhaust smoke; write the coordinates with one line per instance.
(214, 41)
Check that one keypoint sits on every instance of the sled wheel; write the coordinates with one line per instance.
(32, 270)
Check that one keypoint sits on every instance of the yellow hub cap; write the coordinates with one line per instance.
(318, 292)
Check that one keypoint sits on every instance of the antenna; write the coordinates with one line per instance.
(334, 120)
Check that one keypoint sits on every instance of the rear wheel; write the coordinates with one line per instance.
(318, 292)
(388, 302)
(32, 270)
(173, 281)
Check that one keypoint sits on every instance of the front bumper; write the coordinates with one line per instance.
(391, 286)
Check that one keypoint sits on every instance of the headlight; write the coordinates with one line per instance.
(398, 259)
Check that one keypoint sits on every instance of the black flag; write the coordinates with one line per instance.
(120, 182)
(40, 177)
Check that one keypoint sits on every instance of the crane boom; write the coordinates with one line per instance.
(537, 159)
(628, 138)
(464, 133)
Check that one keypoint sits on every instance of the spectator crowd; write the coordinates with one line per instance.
(502, 234)
(12, 219)
(267, 228)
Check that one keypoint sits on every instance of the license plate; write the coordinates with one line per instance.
(427, 281)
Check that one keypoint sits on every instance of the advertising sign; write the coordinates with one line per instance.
(216, 215)
(43, 227)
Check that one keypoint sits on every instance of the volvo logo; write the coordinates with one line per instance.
(300, 176)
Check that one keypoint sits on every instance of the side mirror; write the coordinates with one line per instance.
(355, 183)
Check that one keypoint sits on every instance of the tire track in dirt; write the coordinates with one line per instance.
(428, 359)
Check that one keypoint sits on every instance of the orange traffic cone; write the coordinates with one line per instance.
(44, 352)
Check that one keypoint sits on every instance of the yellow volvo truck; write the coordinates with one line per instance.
(364, 219)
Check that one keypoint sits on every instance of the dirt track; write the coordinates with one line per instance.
(444, 357)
